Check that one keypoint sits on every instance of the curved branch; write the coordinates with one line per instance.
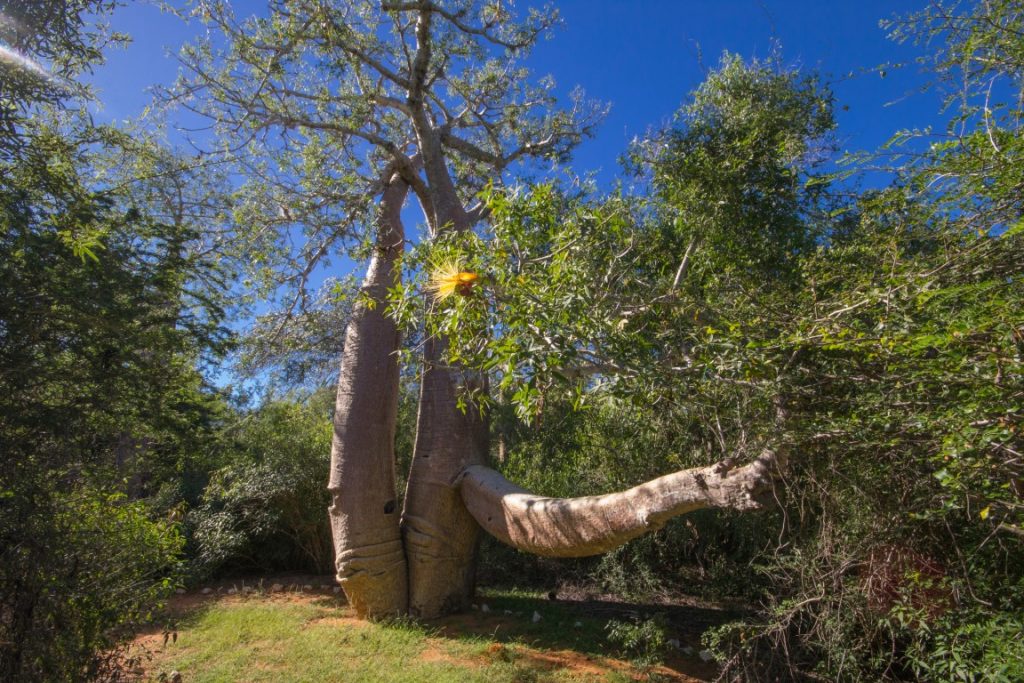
(578, 527)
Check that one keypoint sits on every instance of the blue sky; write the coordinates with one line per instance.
(642, 56)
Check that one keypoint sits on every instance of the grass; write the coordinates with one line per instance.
(312, 639)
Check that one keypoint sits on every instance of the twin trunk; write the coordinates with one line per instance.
(425, 566)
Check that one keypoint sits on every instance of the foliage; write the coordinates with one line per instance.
(264, 509)
(108, 304)
(99, 328)
(875, 340)
(630, 311)
(628, 296)
(986, 649)
(51, 43)
(300, 350)
(85, 569)
(908, 494)
(642, 639)
(906, 369)
(971, 168)
(317, 105)
(737, 172)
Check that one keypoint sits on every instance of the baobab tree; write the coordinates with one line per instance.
(341, 110)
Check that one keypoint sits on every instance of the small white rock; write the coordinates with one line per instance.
(206, 591)
(674, 643)
(276, 588)
(508, 612)
(307, 588)
(475, 606)
(336, 589)
(232, 591)
(706, 656)
(248, 589)
(578, 624)
(179, 591)
(536, 617)
(485, 608)
(688, 651)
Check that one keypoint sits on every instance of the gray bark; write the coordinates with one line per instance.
(578, 527)
(370, 560)
(440, 535)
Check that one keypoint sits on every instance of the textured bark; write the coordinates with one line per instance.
(578, 527)
(440, 535)
(370, 560)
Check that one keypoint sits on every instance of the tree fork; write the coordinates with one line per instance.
(578, 527)
(369, 557)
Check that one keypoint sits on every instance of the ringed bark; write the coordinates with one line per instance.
(369, 555)
(591, 525)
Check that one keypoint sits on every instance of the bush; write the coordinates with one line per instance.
(266, 510)
(80, 570)
(643, 640)
(989, 650)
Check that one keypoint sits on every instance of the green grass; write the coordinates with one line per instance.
(262, 638)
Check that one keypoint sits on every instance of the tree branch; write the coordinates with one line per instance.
(579, 527)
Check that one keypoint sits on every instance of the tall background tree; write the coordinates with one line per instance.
(109, 304)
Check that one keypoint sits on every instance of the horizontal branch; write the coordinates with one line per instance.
(579, 527)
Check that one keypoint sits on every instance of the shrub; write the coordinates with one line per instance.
(266, 509)
(80, 571)
(643, 640)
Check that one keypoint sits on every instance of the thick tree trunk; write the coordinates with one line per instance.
(577, 527)
(370, 560)
(440, 535)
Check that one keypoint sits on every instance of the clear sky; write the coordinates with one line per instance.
(642, 56)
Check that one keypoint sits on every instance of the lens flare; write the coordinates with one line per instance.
(20, 61)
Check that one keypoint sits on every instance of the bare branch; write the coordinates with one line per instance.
(579, 527)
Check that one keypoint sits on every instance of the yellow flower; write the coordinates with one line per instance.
(448, 279)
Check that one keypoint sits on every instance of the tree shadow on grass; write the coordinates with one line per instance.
(582, 626)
